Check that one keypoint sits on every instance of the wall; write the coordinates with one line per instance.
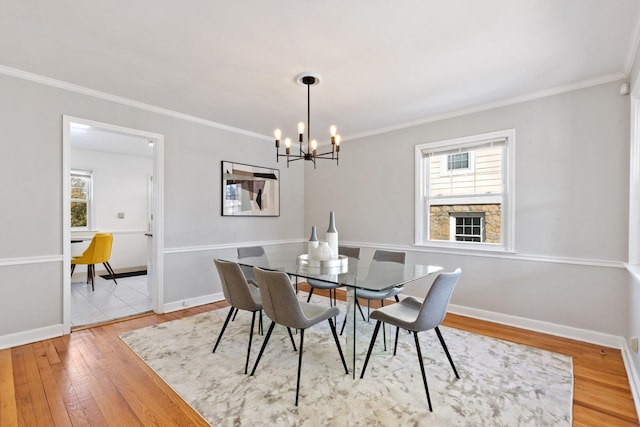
(31, 179)
(571, 174)
(120, 184)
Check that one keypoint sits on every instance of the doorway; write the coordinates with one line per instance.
(120, 174)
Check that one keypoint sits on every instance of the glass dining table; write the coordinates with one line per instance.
(354, 273)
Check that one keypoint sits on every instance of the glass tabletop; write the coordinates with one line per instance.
(362, 273)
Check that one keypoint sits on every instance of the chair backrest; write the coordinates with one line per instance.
(390, 256)
(350, 252)
(434, 306)
(99, 250)
(279, 299)
(256, 252)
(235, 287)
(251, 252)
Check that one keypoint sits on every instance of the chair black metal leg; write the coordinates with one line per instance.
(424, 376)
(73, 267)
(361, 312)
(368, 309)
(223, 328)
(344, 323)
(335, 337)
(446, 350)
(384, 330)
(234, 316)
(110, 271)
(260, 329)
(395, 346)
(91, 273)
(292, 341)
(264, 344)
(310, 293)
(253, 321)
(373, 341)
(397, 299)
(299, 364)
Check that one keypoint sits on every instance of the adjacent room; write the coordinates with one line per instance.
(320, 213)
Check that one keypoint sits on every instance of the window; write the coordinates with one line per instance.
(464, 192)
(467, 227)
(81, 199)
(458, 161)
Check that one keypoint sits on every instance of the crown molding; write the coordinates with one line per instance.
(429, 119)
(496, 104)
(125, 101)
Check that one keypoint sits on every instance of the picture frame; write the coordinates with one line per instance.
(249, 190)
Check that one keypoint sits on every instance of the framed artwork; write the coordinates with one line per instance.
(250, 190)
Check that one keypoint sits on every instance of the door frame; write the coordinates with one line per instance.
(157, 210)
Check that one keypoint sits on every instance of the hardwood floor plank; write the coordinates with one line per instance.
(8, 410)
(30, 388)
(51, 384)
(113, 407)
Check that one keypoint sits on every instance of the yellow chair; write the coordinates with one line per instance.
(99, 251)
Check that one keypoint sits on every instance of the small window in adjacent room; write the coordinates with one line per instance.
(464, 192)
(81, 197)
(467, 227)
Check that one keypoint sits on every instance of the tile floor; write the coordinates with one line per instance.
(109, 301)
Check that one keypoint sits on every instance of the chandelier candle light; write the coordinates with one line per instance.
(311, 154)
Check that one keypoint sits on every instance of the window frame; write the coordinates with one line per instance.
(507, 198)
(89, 176)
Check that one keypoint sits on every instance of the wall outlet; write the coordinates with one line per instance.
(633, 344)
(121, 215)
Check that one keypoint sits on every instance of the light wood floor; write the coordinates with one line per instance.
(92, 378)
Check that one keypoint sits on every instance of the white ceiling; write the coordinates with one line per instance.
(383, 63)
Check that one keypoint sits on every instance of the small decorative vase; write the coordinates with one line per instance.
(332, 234)
(324, 251)
(313, 241)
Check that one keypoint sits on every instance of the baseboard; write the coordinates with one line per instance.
(632, 373)
(570, 332)
(192, 302)
(31, 336)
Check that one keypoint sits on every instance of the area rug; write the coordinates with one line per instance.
(501, 383)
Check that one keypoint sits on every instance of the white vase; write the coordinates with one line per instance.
(332, 235)
(313, 241)
(324, 251)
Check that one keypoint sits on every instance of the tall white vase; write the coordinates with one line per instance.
(332, 234)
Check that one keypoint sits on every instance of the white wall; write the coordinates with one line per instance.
(31, 179)
(120, 184)
(571, 209)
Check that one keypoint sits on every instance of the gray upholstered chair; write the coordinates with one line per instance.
(417, 316)
(353, 253)
(283, 307)
(251, 252)
(240, 295)
(383, 256)
(379, 256)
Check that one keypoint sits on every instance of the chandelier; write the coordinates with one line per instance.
(311, 153)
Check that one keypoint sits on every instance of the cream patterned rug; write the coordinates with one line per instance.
(501, 383)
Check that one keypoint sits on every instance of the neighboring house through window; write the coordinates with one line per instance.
(464, 192)
(81, 198)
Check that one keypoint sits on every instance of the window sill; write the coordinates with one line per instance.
(456, 248)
